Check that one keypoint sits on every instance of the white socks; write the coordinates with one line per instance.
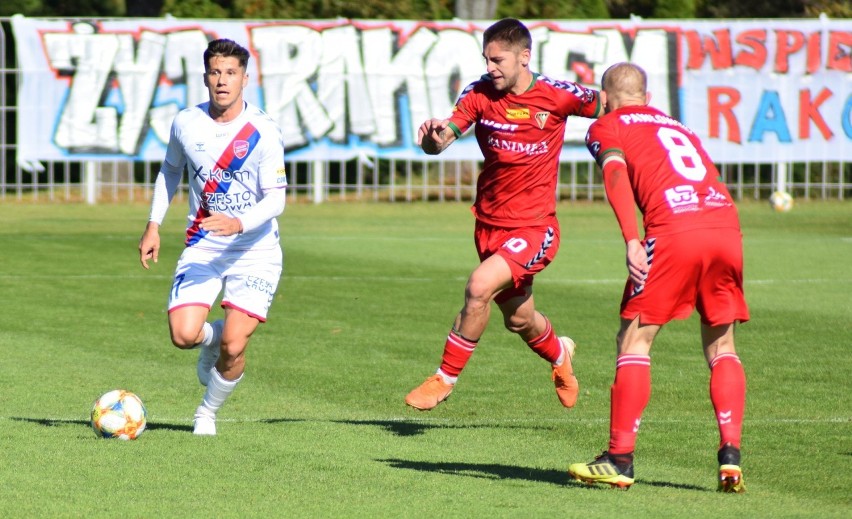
(447, 379)
(212, 333)
(218, 390)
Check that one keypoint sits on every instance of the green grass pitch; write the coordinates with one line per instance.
(318, 427)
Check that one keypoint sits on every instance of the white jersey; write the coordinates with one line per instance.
(231, 166)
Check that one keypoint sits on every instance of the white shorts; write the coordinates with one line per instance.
(250, 279)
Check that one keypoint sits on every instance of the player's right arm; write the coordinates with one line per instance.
(165, 187)
(149, 244)
(435, 135)
(619, 192)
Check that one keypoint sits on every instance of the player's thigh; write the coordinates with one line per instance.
(526, 251)
(197, 280)
(635, 338)
(251, 283)
(488, 278)
(721, 298)
(669, 291)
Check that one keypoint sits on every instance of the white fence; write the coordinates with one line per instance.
(370, 177)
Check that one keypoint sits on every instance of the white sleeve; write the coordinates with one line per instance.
(171, 171)
(165, 188)
(270, 206)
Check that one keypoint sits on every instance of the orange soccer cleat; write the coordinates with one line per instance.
(429, 394)
(567, 387)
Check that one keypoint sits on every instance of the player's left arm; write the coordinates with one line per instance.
(590, 105)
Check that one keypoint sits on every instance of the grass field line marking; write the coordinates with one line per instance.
(400, 279)
(460, 421)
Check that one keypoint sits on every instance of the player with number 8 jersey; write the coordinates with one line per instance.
(676, 185)
(690, 257)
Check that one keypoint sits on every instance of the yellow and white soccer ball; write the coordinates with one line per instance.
(781, 201)
(119, 414)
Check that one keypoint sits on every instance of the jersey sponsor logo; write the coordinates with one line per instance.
(199, 146)
(498, 126)
(241, 149)
(228, 165)
(228, 202)
(518, 112)
(716, 199)
(541, 119)
(682, 199)
(281, 176)
(260, 284)
(527, 148)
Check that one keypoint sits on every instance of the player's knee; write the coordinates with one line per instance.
(518, 324)
(183, 339)
(479, 290)
(232, 356)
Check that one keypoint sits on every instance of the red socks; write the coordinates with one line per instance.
(631, 392)
(457, 351)
(727, 392)
(629, 395)
(547, 345)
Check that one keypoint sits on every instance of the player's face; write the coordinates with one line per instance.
(225, 80)
(506, 65)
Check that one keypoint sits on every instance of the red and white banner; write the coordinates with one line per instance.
(755, 91)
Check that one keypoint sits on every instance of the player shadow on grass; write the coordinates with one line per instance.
(56, 422)
(415, 427)
(504, 472)
(399, 428)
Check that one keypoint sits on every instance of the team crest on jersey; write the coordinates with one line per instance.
(518, 112)
(241, 148)
(541, 118)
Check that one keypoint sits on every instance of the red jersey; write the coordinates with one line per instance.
(520, 136)
(674, 182)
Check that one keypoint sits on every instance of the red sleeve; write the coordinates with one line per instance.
(465, 110)
(620, 197)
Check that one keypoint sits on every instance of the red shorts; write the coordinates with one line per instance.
(527, 250)
(699, 269)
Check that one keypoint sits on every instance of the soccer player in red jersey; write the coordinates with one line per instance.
(520, 121)
(690, 257)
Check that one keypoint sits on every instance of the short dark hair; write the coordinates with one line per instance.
(510, 31)
(226, 48)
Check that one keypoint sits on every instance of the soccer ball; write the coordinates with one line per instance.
(119, 414)
(781, 201)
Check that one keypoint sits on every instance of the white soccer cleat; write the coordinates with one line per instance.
(208, 355)
(204, 423)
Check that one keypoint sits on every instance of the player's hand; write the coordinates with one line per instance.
(219, 224)
(637, 262)
(149, 245)
(430, 136)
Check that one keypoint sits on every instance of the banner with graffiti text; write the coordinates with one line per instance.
(754, 91)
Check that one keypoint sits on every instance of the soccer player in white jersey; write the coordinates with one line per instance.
(234, 156)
